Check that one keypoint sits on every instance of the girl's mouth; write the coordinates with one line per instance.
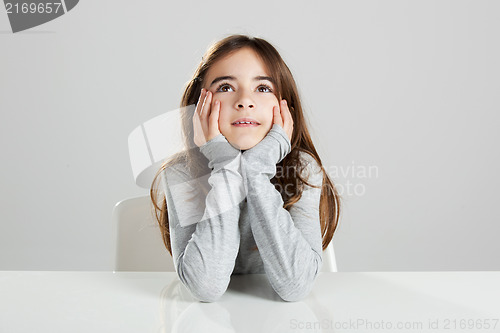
(245, 124)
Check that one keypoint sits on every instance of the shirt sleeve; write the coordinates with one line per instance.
(289, 242)
(203, 227)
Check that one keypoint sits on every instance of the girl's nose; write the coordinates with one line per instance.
(242, 106)
(244, 101)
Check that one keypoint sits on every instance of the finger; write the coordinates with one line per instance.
(198, 136)
(285, 112)
(287, 119)
(200, 99)
(206, 105)
(196, 114)
(214, 119)
(196, 124)
(289, 116)
(277, 116)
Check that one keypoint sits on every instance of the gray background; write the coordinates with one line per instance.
(407, 87)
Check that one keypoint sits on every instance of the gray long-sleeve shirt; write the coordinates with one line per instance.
(214, 235)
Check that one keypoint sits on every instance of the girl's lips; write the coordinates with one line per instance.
(246, 125)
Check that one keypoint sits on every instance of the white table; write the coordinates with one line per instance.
(60, 301)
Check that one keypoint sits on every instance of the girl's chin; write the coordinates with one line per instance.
(243, 140)
(243, 145)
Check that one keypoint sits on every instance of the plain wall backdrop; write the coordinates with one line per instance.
(401, 97)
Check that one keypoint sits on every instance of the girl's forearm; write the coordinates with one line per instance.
(205, 234)
(205, 252)
(291, 261)
(206, 263)
(289, 243)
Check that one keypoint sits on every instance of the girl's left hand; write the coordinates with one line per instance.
(283, 117)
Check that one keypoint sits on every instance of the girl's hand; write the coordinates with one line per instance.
(205, 118)
(283, 117)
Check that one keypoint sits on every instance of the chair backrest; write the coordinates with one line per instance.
(139, 246)
(329, 262)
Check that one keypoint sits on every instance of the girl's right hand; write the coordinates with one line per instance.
(206, 118)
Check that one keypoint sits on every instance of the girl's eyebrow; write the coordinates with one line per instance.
(229, 77)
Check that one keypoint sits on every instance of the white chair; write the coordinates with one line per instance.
(329, 262)
(139, 246)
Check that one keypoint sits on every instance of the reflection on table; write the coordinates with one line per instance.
(158, 302)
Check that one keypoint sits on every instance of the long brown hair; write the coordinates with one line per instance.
(286, 88)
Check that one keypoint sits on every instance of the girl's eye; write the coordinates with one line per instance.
(223, 86)
(267, 87)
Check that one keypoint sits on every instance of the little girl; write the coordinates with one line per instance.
(249, 193)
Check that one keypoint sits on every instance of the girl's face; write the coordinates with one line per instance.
(243, 86)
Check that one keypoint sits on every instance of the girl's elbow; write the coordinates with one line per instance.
(296, 294)
(299, 287)
(205, 286)
(206, 295)
(205, 290)
(295, 289)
